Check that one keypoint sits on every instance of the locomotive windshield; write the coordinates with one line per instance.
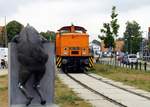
(64, 31)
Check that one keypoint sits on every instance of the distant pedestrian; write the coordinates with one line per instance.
(3, 64)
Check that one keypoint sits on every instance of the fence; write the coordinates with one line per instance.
(136, 66)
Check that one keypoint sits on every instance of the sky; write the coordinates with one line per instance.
(91, 14)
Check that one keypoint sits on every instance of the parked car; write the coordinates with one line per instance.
(104, 54)
(125, 59)
(131, 58)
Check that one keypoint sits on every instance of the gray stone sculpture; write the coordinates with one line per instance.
(32, 59)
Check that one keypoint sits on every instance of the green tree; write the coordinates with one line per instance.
(110, 30)
(132, 37)
(13, 28)
(96, 42)
(148, 45)
(49, 35)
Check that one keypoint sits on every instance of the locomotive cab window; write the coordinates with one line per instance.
(72, 29)
(78, 31)
(64, 31)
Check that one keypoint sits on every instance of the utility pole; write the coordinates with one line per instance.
(6, 45)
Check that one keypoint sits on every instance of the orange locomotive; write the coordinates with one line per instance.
(72, 49)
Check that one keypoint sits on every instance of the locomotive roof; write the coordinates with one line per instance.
(75, 27)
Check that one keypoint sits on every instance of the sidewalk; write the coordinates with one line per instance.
(3, 72)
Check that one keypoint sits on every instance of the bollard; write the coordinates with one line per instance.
(129, 65)
(145, 64)
(132, 65)
(136, 65)
(140, 64)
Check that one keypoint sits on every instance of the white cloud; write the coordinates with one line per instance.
(91, 14)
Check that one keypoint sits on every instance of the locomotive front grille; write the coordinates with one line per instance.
(75, 52)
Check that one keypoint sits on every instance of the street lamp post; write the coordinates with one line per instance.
(146, 50)
(126, 42)
(142, 47)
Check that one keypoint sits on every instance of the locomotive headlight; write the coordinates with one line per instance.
(65, 48)
(83, 51)
(65, 53)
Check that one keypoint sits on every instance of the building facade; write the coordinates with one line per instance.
(119, 46)
(2, 36)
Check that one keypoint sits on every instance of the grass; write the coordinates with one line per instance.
(64, 96)
(3, 91)
(136, 78)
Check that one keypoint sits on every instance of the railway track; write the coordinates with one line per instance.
(96, 92)
(115, 94)
(99, 79)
